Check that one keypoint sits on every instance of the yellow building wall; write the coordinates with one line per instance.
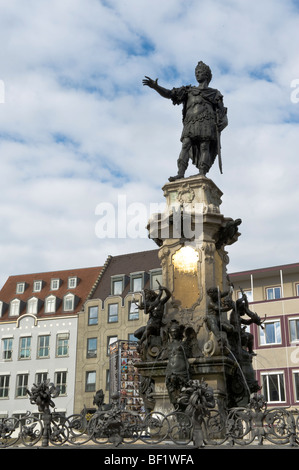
(102, 331)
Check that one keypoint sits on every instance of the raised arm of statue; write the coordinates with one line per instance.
(167, 293)
(147, 81)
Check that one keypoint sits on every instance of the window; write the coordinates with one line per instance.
(32, 305)
(131, 337)
(72, 282)
(40, 377)
(136, 283)
(294, 329)
(50, 304)
(90, 384)
(110, 340)
(25, 347)
(117, 286)
(93, 315)
(271, 333)
(62, 344)
(7, 349)
(20, 288)
(248, 293)
(22, 385)
(296, 384)
(37, 286)
(4, 386)
(156, 278)
(112, 313)
(273, 293)
(68, 303)
(92, 347)
(55, 284)
(60, 382)
(273, 387)
(43, 346)
(133, 311)
(14, 308)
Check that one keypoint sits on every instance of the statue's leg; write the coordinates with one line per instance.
(183, 159)
(205, 158)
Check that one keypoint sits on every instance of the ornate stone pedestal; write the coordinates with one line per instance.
(215, 371)
(192, 235)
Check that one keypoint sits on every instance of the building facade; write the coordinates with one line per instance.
(60, 325)
(273, 293)
(110, 315)
(38, 335)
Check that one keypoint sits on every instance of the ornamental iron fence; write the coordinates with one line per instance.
(115, 426)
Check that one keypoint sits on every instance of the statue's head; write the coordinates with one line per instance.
(213, 292)
(203, 69)
(176, 330)
(150, 295)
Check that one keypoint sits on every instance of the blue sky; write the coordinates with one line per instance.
(77, 128)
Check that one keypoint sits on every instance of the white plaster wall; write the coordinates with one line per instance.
(29, 325)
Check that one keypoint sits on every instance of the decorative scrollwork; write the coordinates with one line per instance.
(207, 425)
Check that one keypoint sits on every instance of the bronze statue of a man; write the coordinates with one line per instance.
(204, 117)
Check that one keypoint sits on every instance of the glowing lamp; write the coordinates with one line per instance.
(186, 259)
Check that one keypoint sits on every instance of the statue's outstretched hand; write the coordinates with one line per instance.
(150, 82)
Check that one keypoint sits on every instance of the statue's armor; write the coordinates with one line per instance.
(199, 120)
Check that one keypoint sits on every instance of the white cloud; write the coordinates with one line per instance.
(78, 128)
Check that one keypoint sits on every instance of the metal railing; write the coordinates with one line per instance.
(239, 426)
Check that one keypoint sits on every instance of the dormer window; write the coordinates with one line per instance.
(68, 302)
(50, 304)
(14, 309)
(137, 282)
(117, 287)
(117, 284)
(32, 305)
(156, 278)
(37, 286)
(72, 282)
(55, 284)
(20, 288)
